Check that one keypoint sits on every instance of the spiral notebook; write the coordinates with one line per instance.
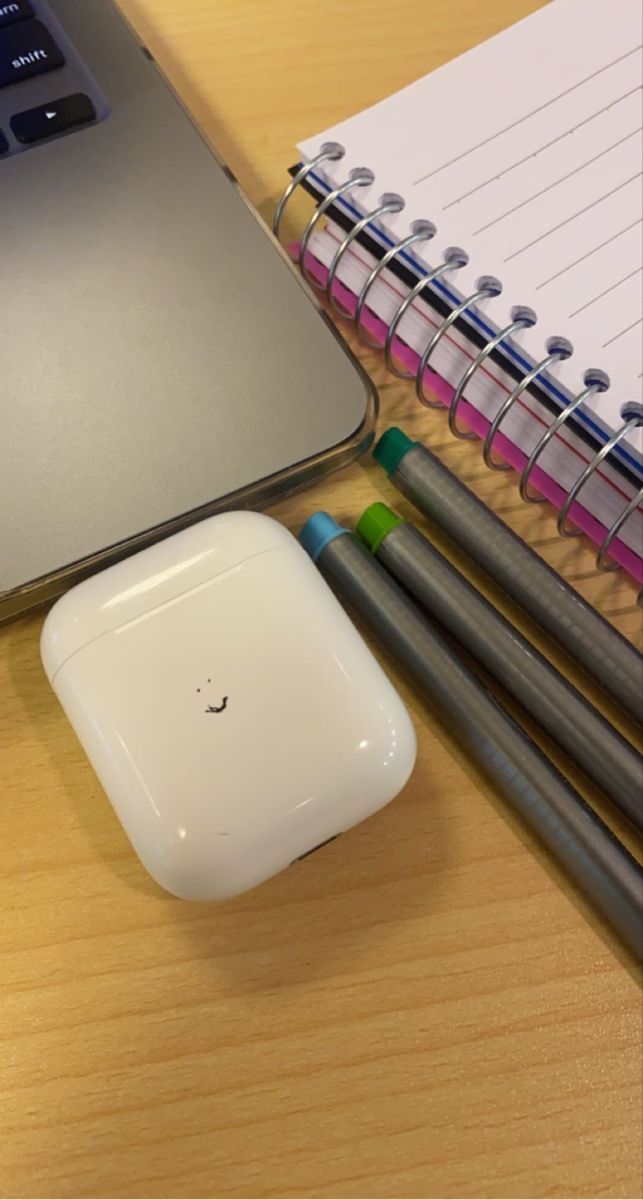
(485, 226)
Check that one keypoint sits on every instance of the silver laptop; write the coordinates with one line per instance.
(160, 357)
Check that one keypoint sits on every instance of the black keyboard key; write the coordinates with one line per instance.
(18, 11)
(27, 49)
(4, 145)
(49, 119)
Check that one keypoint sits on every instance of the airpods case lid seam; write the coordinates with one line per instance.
(96, 607)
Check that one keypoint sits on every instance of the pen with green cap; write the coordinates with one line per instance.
(570, 720)
(549, 600)
(581, 843)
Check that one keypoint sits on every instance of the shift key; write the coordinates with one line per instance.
(27, 49)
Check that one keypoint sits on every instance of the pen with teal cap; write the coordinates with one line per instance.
(568, 619)
(601, 867)
(570, 720)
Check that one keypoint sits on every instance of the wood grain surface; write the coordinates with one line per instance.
(426, 1007)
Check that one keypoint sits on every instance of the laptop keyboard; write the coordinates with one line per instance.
(15, 12)
(35, 109)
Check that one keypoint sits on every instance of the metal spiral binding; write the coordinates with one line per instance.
(482, 293)
(357, 179)
(520, 322)
(604, 548)
(556, 355)
(423, 231)
(330, 151)
(586, 475)
(390, 204)
(429, 277)
(546, 439)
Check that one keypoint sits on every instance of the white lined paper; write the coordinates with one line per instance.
(528, 152)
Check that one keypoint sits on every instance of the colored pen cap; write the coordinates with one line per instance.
(392, 447)
(319, 530)
(377, 521)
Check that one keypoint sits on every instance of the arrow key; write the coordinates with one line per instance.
(48, 120)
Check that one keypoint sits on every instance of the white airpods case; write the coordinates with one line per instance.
(230, 709)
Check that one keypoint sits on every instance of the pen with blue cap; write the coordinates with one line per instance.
(601, 867)
(570, 720)
(590, 640)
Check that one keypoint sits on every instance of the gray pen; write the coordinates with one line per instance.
(570, 720)
(586, 636)
(601, 867)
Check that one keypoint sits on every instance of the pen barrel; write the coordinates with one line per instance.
(570, 720)
(556, 606)
(579, 840)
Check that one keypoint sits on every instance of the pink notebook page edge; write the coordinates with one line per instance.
(542, 482)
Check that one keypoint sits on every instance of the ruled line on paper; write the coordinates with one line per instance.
(605, 292)
(556, 182)
(534, 153)
(582, 258)
(540, 108)
(622, 334)
(573, 217)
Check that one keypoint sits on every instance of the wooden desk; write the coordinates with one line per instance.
(424, 1008)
